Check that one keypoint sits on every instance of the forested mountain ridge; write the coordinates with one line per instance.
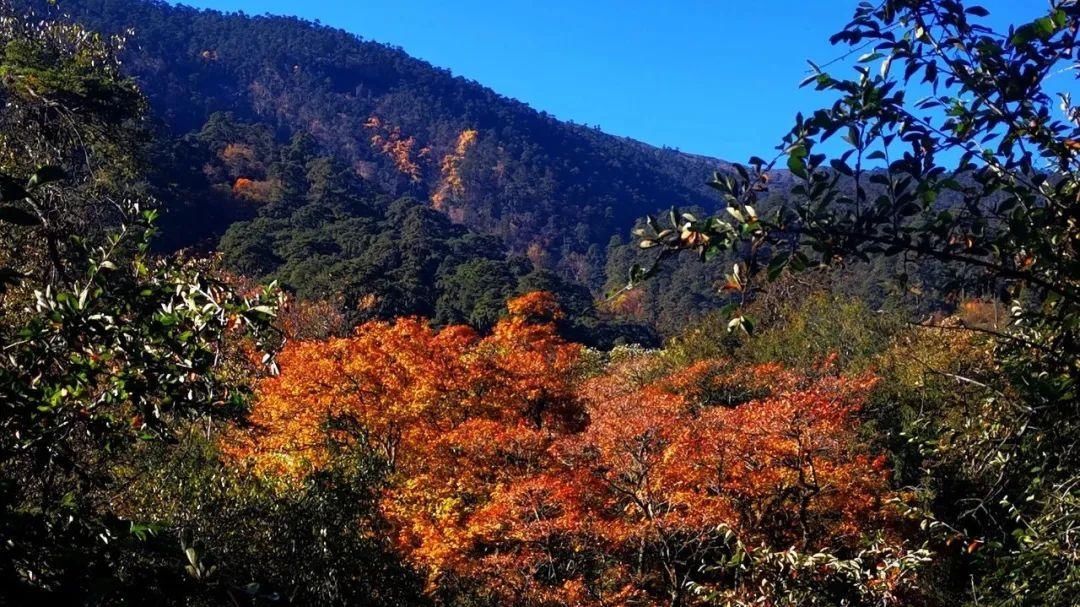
(300, 136)
(549, 189)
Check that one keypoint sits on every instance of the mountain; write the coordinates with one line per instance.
(255, 113)
(549, 189)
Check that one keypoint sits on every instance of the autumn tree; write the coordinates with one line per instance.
(683, 489)
(455, 416)
(390, 141)
(451, 187)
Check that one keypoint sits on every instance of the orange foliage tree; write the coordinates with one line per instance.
(255, 191)
(513, 479)
(397, 147)
(679, 474)
(454, 414)
(451, 186)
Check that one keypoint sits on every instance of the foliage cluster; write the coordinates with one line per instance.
(512, 481)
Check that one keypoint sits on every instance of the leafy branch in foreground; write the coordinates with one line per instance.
(103, 345)
(116, 356)
(981, 174)
(1007, 206)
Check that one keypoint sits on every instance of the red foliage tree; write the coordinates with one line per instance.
(668, 475)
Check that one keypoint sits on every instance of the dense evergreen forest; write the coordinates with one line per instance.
(288, 317)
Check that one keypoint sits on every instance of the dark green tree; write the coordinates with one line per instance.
(475, 293)
(104, 344)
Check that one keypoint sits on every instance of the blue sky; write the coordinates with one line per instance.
(717, 78)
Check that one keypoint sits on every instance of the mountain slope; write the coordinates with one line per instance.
(549, 189)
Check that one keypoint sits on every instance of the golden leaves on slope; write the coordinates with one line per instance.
(451, 186)
(398, 148)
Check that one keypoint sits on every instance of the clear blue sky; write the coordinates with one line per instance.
(717, 78)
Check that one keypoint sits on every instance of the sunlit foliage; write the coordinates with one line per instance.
(511, 478)
(396, 146)
(452, 186)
